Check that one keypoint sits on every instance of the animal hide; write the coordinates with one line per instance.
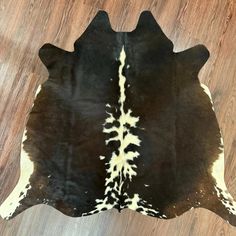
(122, 122)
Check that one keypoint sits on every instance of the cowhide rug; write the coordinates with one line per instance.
(122, 122)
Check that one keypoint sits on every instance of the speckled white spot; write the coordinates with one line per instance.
(101, 157)
(11, 203)
(217, 172)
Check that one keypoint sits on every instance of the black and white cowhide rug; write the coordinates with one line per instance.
(122, 122)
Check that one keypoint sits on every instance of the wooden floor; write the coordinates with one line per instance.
(25, 25)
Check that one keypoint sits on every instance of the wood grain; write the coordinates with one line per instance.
(25, 25)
